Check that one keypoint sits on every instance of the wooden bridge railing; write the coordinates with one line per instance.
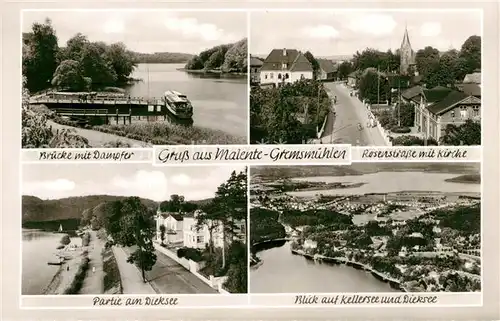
(96, 100)
(82, 112)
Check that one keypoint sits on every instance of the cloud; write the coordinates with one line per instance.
(181, 179)
(191, 27)
(372, 24)
(321, 31)
(148, 184)
(114, 26)
(47, 189)
(430, 29)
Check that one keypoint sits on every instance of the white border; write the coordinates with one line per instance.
(248, 126)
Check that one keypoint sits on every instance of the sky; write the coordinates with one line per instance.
(54, 181)
(146, 31)
(331, 33)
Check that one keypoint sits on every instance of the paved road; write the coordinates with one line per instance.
(130, 275)
(169, 277)
(343, 127)
(94, 282)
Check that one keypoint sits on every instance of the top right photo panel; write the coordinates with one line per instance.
(366, 78)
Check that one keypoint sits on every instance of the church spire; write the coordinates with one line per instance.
(406, 39)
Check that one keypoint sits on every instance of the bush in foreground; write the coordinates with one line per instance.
(165, 134)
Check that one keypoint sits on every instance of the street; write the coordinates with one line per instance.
(342, 128)
(167, 276)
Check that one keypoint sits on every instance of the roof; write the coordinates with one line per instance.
(256, 62)
(175, 96)
(474, 78)
(412, 92)
(177, 217)
(294, 60)
(327, 65)
(453, 98)
(470, 89)
(436, 94)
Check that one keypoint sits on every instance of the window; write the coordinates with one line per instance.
(475, 111)
(284, 65)
(287, 76)
(199, 239)
(279, 76)
(272, 75)
(452, 114)
(265, 76)
(463, 111)
(302, 76)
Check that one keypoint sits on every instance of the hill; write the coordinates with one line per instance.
(276, 172)
(162, 57)
(35, 209)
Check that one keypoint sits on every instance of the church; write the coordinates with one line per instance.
(407, 62)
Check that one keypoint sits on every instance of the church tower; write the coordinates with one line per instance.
(407, 55)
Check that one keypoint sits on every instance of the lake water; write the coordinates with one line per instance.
(387, 182)
(38, 248)
(219, 101)
(283, 272)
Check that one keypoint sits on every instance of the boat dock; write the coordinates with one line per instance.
(109, 108)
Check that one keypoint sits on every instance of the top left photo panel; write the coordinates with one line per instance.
(112, 78)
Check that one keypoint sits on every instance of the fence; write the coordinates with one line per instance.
(383, 132)
(194, 267)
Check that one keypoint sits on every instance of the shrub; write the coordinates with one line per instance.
(401, 130)
(190, 254)
(408, 140)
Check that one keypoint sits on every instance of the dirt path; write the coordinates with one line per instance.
(94, 282)
(98, 139)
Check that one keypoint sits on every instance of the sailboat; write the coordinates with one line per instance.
(60, 228)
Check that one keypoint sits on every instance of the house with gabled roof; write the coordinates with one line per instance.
(327, 69)
(173, 222)
(285, 66)
(255, 65)
(441, 106)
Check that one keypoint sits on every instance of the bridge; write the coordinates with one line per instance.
(81, 105)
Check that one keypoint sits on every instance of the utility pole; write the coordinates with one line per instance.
(378, 85)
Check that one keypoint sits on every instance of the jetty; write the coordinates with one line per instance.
(117, 107)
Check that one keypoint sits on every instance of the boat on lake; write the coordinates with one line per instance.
(178, 104)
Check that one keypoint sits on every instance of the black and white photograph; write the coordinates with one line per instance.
(367, 78)
(372, 227)
(132, 78)
(133, 229)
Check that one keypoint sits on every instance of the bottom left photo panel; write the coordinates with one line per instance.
(133, 229)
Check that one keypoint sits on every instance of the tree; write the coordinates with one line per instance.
(471, 53)
(345, 68)
(122, 61)
(65, 240)
(163, 229)
(135, 227)
(236, 57)
(467, 134)
(95, 66)
(314, 63)
(425, 59)
(74, 47)
(237, 274)
(373, 86)
(216, 59)
(68, 75)
(40, 56)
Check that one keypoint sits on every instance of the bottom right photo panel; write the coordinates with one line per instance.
(366, 227)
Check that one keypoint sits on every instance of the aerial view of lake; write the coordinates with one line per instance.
(219, 101)
(39, 247)
(283, 272)
(387, 182)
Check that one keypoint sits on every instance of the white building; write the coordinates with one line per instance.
(199, 236)
(285, 66)
(173, 227)
(310, 244)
